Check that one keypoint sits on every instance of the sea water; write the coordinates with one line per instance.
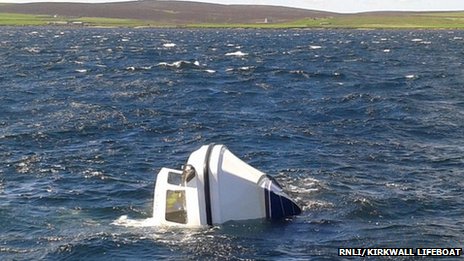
(365, 129)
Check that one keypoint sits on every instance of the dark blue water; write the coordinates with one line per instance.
(364, 128)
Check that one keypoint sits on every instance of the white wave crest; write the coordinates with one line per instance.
(32, 49)
(237, 53)
(169, 45)
(176, 64)
(179, 64)
(127, 222)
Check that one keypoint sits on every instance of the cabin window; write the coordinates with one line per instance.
(175, 206)
(174, 178)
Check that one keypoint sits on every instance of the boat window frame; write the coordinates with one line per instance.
(176, 206)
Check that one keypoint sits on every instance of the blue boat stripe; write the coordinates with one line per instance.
(266, 202)
(209, 216)
(269, 196)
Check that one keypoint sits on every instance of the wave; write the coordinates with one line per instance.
(32, 49)
(133, 68)
(237, 54)
(169, 45)
(180, 64)
(241, 69)
(127, 222)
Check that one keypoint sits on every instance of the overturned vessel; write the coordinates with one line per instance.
(214, 187)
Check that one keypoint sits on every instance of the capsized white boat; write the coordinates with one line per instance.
(214, 187)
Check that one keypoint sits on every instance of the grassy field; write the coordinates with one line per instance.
(435, 20)
(418, 21)
(23, 19)
(114, 22)
(446, 20)
(8, 19)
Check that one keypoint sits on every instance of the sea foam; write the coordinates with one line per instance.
(237, 53)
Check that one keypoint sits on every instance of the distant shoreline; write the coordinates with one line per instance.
(134, 24)
(178, 14)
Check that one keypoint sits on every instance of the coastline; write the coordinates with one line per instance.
(419, 21)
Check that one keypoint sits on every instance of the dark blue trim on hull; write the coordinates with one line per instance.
(278, 205)
(209, 216)
(266, 202)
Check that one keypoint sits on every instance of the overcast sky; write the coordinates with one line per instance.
(344, 6)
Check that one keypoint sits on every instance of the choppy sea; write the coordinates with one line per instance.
(365, 129)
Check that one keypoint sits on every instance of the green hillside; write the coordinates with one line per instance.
(432, 20)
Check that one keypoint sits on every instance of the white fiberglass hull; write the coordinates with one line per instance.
(215, 187)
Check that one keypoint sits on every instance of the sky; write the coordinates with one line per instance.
(341, 6)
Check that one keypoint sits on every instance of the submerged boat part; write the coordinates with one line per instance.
(214, 187)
